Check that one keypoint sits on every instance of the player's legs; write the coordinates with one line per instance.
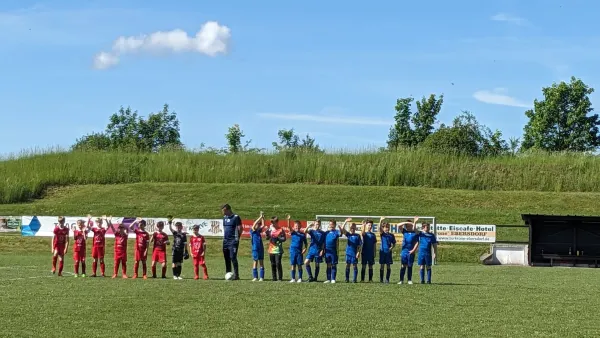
(83, 266)
(136, 263)
(116, 267)
(196, 263)
(102, 265)
(261, 264)
(227, 257)
(334, 263)
(61, 263)
(279, 266)
(254, 267)
(273, 266)
(348, 271)
(54, 260)
(234, 260)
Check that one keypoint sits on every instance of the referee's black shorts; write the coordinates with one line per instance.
(177, 256)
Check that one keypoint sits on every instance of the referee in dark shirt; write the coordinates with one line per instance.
(179, 247)
(232, 231)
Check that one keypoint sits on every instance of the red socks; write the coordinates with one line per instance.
(54, 259)
(164, 271)
(61, 265)
(76, 268)
(124, 268)
(102, 268)
(196, 271)
(144, 268)
(205, 271)
(116, 268)
(94, 267)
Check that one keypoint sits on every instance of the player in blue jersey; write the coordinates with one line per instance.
(232, 230)
(297, 249)
(369, 246)
(388, 242)
(427, 252)
(410, 242)
(258, 249)
(315, 250)
(332, 237)
(353, 248)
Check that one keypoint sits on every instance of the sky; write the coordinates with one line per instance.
(330, 69)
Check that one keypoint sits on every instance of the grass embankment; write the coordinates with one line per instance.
(305, 201)
(27, 177)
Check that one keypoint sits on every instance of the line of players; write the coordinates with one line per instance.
(159, 239)
(324, 247)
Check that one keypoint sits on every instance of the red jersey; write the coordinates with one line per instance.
(197, 244)
(121, 242)
(60, 236)
(160, 241)
(80, 237)
(99, 237)
(142, 238)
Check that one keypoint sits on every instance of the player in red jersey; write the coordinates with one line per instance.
(142, 237)
(160, 239)
(120, 249)
(60, 245)
(98, 246)
(79, 249)
(198, 248)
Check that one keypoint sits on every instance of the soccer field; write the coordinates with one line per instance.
(464, 301)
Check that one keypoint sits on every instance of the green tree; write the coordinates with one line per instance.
(128, 131)
(234, 139)
(401, 133)
(466, 136)
(290, 141)
(562, 120)
(425, 117)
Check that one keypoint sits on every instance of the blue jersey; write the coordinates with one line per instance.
(409, 240)
(298, 241)
(331, 240)
(369, 243)
(426, 242)
(387, 240)
(317, 239)
(257, 243)
(354, 242)
(231, 234)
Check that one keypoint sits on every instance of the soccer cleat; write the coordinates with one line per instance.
(75, 275)
(326, 282)
(196, 277)
(409, 282)
(400, 282)
(255, 279)
(333, 282)
(429, 282)
(260, 280)
(83, 275)
(354, 281)
(103, 275)
(299, 281)
(94, 275)
(53, 271)
(175, 277)
(387, 282)
(292, 281)
(163, 277)
(125, 277)
(422, 282)
(60, 274)
(145, 277)
(179, 277)
(347, 281)
(134, 276)
(114, 276)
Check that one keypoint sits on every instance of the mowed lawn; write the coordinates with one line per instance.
(464, 301)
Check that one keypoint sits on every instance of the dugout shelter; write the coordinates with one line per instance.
(563, 240)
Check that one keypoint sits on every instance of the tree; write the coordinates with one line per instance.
(401, 134)
(234, 141)
(466, 137)
(290, 141)
(425, 117)
(562, 120)
(128, 131)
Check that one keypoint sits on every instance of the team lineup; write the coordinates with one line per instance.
(323, 248)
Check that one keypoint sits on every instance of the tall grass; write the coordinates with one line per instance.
(26, 177)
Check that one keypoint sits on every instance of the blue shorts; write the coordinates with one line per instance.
(313, 255)
(351, 259)
(386, 257)
(368, 259)
(406, 258)
(296, 258)
(258, 254)
(331, 257)
(425, 259)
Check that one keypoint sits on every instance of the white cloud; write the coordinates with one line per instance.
(499, 96)
(504, 17)
(212, 39)
(328, 119)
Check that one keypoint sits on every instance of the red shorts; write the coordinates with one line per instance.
(159, 256)
(97, 252)
(199, 260)
(60, 250)
(139, 255)
(78, 255)
(121, 255)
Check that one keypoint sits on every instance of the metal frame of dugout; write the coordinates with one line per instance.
(563, 240)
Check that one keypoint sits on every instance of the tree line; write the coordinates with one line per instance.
(562, 121)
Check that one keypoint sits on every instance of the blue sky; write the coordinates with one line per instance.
(331, 69)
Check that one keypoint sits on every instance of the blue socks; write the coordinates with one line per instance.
(388, 273)
(402, 272)
(422, 274)
(410, 273)
(300, 272)
(309, 270)
(293, 274)
(428, 275)
(262, 272)
(355, 273)
(254, 273)
(347, 273)
(333, 271)
(328, 273)
(317, 268)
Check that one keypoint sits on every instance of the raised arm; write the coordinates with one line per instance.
(289, 222)
(90, 223)
(170, 221)
(259, 221)
(137, 221)
(381, 224)
(110, 224)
